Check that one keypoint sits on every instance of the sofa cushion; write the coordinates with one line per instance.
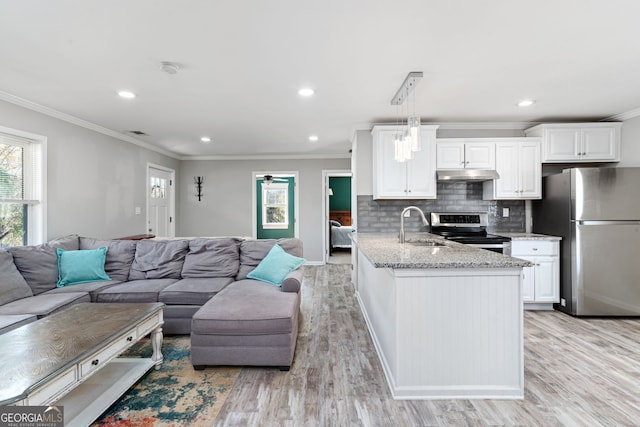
(159, 259)
(120, 255)
(9, 322)
(192, 290)
(253, 251)
(135, 291)
(248, 307)
(219, 257)
(12, 284)
(39, 264)
(44, 305)
(81, 266)
(93, 288)
(275, 267)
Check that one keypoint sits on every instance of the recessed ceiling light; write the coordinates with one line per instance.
(313, 138)
(526, 103)
(306, 91)
(205, 139)
(126, 94)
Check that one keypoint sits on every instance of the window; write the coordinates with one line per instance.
(275, 205)
(158, 187)
(21, 190)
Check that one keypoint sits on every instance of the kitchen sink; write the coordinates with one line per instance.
(431, 243)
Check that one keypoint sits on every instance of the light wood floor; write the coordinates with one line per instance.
(578, 372)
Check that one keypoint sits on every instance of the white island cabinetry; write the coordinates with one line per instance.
(443, 330)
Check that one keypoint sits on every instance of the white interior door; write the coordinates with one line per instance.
(160, 200)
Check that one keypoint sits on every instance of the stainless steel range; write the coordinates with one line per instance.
(469, 228)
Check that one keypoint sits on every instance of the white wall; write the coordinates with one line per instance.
(630, 143)
(226, 206)
(94, 182)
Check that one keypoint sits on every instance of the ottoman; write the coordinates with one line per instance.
(249, 323)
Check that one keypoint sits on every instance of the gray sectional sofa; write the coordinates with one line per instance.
(232, 319)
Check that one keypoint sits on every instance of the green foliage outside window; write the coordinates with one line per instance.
(13, 214)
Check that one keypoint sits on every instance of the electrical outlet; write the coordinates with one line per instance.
(138, 210)
(505, 212)
(563, 302)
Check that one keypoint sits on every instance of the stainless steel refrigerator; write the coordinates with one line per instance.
(596, 211)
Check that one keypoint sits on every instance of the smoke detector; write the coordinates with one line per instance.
(169, 67)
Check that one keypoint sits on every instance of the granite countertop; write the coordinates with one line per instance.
(384, 251)
(529, 236)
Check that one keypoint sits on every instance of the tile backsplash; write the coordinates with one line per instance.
(383, 216)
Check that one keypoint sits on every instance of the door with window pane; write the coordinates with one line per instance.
(275, 208)
(160, 199)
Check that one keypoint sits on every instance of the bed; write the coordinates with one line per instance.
(339, 237)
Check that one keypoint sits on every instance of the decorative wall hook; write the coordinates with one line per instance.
(198, 180)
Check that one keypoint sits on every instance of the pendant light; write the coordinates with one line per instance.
(407, 141)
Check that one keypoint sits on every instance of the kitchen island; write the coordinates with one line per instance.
(445, 318)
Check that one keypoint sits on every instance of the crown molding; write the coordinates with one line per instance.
(623, 116)
(270, 157)
(483, 125)
(82, 123)
(473, 125)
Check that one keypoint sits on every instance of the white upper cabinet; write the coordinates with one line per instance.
(412, 179)
(465, 153)
(520, 170)
(578, 142)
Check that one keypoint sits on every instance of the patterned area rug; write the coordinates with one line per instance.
(176, 395)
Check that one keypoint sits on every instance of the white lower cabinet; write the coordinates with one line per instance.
(541, 283)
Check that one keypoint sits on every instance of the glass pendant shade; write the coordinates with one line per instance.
(398, 148)
(414, 132)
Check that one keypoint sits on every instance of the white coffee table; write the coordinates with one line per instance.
(70, 358)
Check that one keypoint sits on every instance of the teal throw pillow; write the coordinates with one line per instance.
(275, 267)
(81, 266)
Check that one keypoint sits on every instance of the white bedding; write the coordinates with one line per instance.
(340, 236)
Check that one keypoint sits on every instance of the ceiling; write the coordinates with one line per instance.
(242, 63)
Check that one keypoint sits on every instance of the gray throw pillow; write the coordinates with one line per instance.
(120, 255)
(12, 285)
(219, 257)
(39, 264)
(159, 259)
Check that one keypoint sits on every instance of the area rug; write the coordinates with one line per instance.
(176, 395)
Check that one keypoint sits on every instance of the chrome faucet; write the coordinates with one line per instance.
(408, 208)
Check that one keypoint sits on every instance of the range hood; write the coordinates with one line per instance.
(467, 175)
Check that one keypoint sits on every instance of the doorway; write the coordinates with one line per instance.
(336, 219)
(275, 207)
(160, 201)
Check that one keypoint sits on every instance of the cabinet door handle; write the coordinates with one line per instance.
(535, 249)
(95, 362)
(129, 338)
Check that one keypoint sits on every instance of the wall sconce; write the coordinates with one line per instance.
(198, 180)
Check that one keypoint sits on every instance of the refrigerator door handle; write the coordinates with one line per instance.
(617, 222)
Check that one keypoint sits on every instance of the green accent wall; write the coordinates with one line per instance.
(341, 199)
(282, 232)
